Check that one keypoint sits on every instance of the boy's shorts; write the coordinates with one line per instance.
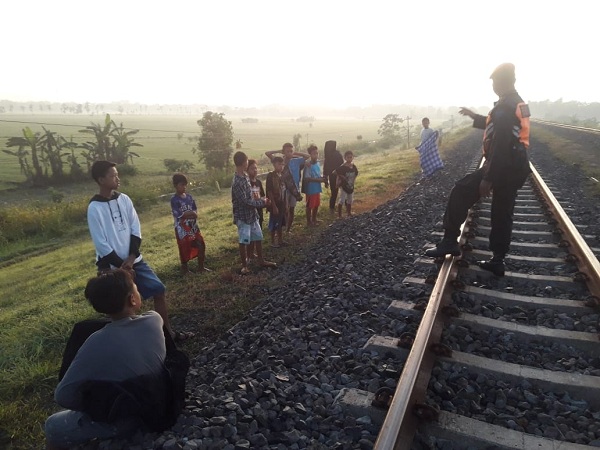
(146, 281)
(291, 200)
(313, 200)
(346, 198)
(249, 232)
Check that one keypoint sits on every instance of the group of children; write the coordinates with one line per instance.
(293, 173)
(124, 279)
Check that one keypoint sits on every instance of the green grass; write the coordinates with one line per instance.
(42, 294)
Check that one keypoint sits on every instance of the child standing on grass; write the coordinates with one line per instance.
(313, 179)
(276, 192)
(346, 176)
(189, 240)
(258, 192)
(257, 187)
(245, 216)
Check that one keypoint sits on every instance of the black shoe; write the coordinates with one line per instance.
(496, 267)
(445, 247)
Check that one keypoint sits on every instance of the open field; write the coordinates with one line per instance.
(42, 293)
(159, 136)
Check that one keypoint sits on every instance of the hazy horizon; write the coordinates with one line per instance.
(330, 54)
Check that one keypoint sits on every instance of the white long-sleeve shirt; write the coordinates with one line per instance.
(112, 223)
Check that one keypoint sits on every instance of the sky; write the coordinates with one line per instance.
(327, 52)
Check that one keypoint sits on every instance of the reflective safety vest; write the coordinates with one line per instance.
(520, 129)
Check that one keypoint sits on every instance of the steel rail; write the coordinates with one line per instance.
(587, 262)
(389, 435)
(564, 125)
(399, 425)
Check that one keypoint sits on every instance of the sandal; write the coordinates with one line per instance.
(181, 336)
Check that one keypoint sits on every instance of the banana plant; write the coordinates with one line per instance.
(29, 140)
(101, 149)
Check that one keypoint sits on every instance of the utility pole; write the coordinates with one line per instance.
(407, 118)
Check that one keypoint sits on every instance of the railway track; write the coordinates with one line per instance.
(563, 125)
(510, 362)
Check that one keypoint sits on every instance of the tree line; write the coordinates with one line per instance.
(48, 158)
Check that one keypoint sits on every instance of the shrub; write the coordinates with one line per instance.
(219, 177)
(55, 195)
(178, 165)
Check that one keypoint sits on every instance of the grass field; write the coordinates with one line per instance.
(42, 292)
(159, 136)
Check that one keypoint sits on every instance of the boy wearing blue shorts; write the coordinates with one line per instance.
(245, 216)
(115, 229)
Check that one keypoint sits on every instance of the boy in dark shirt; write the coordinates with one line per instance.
(346, 176)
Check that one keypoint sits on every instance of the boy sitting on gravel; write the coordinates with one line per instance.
(124, 360)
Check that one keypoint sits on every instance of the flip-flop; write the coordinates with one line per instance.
(181, 336)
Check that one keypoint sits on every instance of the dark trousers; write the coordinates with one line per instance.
(466, 192)
(334, 191)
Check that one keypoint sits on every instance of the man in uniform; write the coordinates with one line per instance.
(505, 143)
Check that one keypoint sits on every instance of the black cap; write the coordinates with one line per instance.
(99, 168)
(504, 72)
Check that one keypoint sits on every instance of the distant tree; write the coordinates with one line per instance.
(305, 119)
(359, 137)
(238, 144)
(215, 142)
(390, 126)
(389, 130)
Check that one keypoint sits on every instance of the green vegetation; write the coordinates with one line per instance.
(42, 157)
(572, 153)
(42, 280)
(214, 144)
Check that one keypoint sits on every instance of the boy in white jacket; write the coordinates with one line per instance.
(115, 229)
